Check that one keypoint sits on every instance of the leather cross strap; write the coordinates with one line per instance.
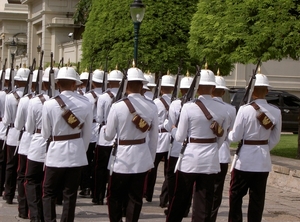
(262, 117)
(255, 142)
(94, 95)
(80, 92)
(110, 94)
(66, 137)
(68, 115)
(129, 105)
(42, 98)
(30, 96)
(198, 140)
(0, 119)
(164, 103)
(204, 109)
(163, 130)
(132, 142)
(16, 95)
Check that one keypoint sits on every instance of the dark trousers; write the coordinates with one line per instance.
(11, 173)
(202, 200)
(22, 200)
(125, 187)
(240, 183)
(101, 173)
(2, 166)
(55, 178)
(218, 192)
(33, 186)
(151, 180)
(87, 171)
(171, 178)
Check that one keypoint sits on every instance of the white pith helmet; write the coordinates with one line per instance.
(207, 77)
(115, 75)
(185, 82)
(47, 72)
(84, 75)
(220, 81)
(35, 74)
(145, 87)
(78, 82)
(98, 76)
(135, 74)
(7, 73)
(261, 79)
(68, 73)
(151, 79)
(168, 80)
(22, 74)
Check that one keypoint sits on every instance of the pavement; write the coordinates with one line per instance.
(282, 202)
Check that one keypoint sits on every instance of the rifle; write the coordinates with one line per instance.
(246, 99)
(61, 62)
(104, 84)
(173, 97)
(3, 75)
(187, 97)
(120, 95)
(90, 79)
(29, 78)
(51, 90)
(38, 87)
(157, 87)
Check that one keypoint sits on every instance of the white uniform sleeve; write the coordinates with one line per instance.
(275, 133)
(46, 126)
(7, 111)
(20, 115)
(237, 132)
(100, 110)
(181, 132)
(153, 135)
(110, 129)
(30, 121)
(87, 127)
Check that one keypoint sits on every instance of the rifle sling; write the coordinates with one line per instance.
(204, 109)
(42, 98)
(16, 95)
(164, 103)
(68, 115)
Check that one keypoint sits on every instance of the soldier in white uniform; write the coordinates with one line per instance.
(24, 138)
(131, 119)
(86, 175)
(83, 78)
(67, 121)
(173, 117)
(3, 94)
(151, 85)
(224, 151)
(162, 103)
(258, 126)
(200, 162)
(104, 147)
(11, 104)
(36, 152)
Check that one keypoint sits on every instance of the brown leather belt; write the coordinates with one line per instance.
(163, 130)
(256, 142)
(196, 140)
(132, 142)
(94, 121)
(38, 131)
(66, 137)
(11, 125)
(0, 119)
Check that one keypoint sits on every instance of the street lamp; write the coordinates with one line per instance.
(13, 50)
(137, 11)
(38, 49)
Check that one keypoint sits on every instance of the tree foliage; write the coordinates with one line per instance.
(82, 11)
(163, 35)
(230, 31)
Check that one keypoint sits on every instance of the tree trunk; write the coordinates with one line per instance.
(298, 151)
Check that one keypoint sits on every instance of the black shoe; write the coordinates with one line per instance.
(166, 211)
(186, 213)
(35, 220)
(85, 192)
(9, 201)
(97, 202)
(163, 205)
(23, 216)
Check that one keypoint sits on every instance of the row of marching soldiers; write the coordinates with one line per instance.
(112, 149)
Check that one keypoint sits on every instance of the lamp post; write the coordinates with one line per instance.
(13, 49)
(38, 49)
(137, 11)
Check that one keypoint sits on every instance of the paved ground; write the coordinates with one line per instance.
(281, 206)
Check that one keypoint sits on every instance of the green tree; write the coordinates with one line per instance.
(163, 35)
(230, 31)
(82, 11)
